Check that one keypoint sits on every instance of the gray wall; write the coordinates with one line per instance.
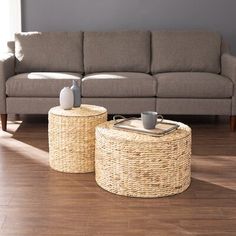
(73, 15)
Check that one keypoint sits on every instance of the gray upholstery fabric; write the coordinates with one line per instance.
(129, 105)
(49, 51)
(118, 85)
(11, 46)
(123, 105)
(185, 51)
(32, 105)
(193, 106)
(193, 85)
(6, 70)
(229, 70)
(127, 51)
(114, 105)
(44, 84)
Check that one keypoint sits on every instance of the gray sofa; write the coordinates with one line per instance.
(172, 72)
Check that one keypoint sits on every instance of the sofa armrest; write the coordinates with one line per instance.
(228, 64)
(228, 69)
(7, 69)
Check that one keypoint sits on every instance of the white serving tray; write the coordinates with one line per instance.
(135, 125)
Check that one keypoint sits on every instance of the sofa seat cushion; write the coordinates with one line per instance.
(43, 84)
(193, 85)
(49, 51)
(185, 51)
(124, 84)
(117, 51)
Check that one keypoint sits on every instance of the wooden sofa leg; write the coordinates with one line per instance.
(233, 123)
(4, 121)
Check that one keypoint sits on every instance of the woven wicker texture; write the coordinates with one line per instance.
(72, 137)
(138, 165)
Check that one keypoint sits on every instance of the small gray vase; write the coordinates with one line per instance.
(77, 95)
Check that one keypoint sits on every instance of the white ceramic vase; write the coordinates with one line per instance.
(66, 98)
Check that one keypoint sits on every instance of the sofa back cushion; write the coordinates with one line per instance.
(185, 51)
(49, 51)
(124, 51)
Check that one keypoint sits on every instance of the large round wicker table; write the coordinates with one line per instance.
(139, 165)
(72, 137)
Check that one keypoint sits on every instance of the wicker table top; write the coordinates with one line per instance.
(84, 110)
(130, 136)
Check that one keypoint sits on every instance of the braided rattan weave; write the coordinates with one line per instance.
(72, 137)
(138, 165)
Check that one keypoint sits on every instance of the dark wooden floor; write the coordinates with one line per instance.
(35, 200)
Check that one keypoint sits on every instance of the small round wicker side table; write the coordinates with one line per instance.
(138, 165)
(72, 137)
